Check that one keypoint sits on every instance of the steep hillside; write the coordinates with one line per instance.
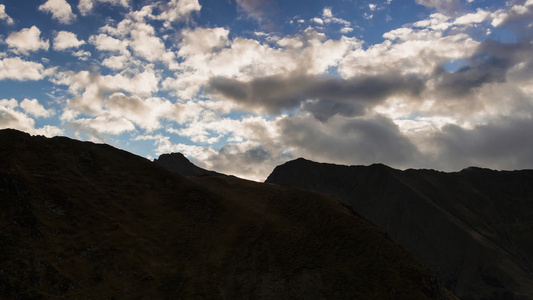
(88, 221)
(473, 228)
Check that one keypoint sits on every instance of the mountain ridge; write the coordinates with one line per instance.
(462, 225)
(85, 220)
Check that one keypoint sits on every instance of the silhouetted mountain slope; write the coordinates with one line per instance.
(178, 163)
(473, 228)
(88, 221)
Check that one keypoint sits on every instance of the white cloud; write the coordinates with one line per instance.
(178, 10)
(65, 40)
(12, 118)
(115, 62)
(60, 10)
(90, 89)
(513, 13)
(146, 113)
(27, 40)
(326, 13)
(86, 6)
(448, 7)
(134, 34)
(319, 21)
(82, 55)
(9, 103)
(246, 59)
(18, 69)
(471, 18)
(34, 108)
(4, 17)
(291, 42)
(346, 30)
(103, 124)
(105, 42)
(436, 21)
(409, 51)
(202, 40)
(146, 44)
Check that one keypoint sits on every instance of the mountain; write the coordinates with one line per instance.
(88, 221)
(473, 228)
(178, 163)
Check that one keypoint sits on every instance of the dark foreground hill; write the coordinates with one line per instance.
(87, 221)
(473, 228)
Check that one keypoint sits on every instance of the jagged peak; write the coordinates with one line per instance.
(177, 162)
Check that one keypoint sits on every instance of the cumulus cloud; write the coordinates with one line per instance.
(431, 94)
(178, 10)
(104, 42)
(448, 7)
(34, 108)
(135, 39)
(202, 40)
(115, 62)
(245, 59)
(90, 88)
(27, 40)
(4, 17)
(60, 10)
(146, 113)
(66, 40)
(515, 13)
(10, 117)
(146, 44)
(86, 6)
(96, 129)
(17, 69)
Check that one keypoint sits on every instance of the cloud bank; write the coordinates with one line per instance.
(444, 92)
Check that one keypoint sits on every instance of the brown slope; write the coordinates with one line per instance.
(473, 228)
(87, 221)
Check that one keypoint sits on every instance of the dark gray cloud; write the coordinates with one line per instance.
(231, 159)
(479, 71)
(490, 63)
(323, 109)
(355, 141)
(279, 92)
(503, 144)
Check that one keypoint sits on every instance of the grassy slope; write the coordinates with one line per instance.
(87, 221)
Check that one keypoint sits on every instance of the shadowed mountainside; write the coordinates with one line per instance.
(473, 228)
(178, 163)
(87, 221)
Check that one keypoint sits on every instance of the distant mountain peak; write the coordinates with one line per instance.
(177, 162)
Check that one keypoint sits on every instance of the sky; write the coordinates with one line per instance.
(241, 86)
